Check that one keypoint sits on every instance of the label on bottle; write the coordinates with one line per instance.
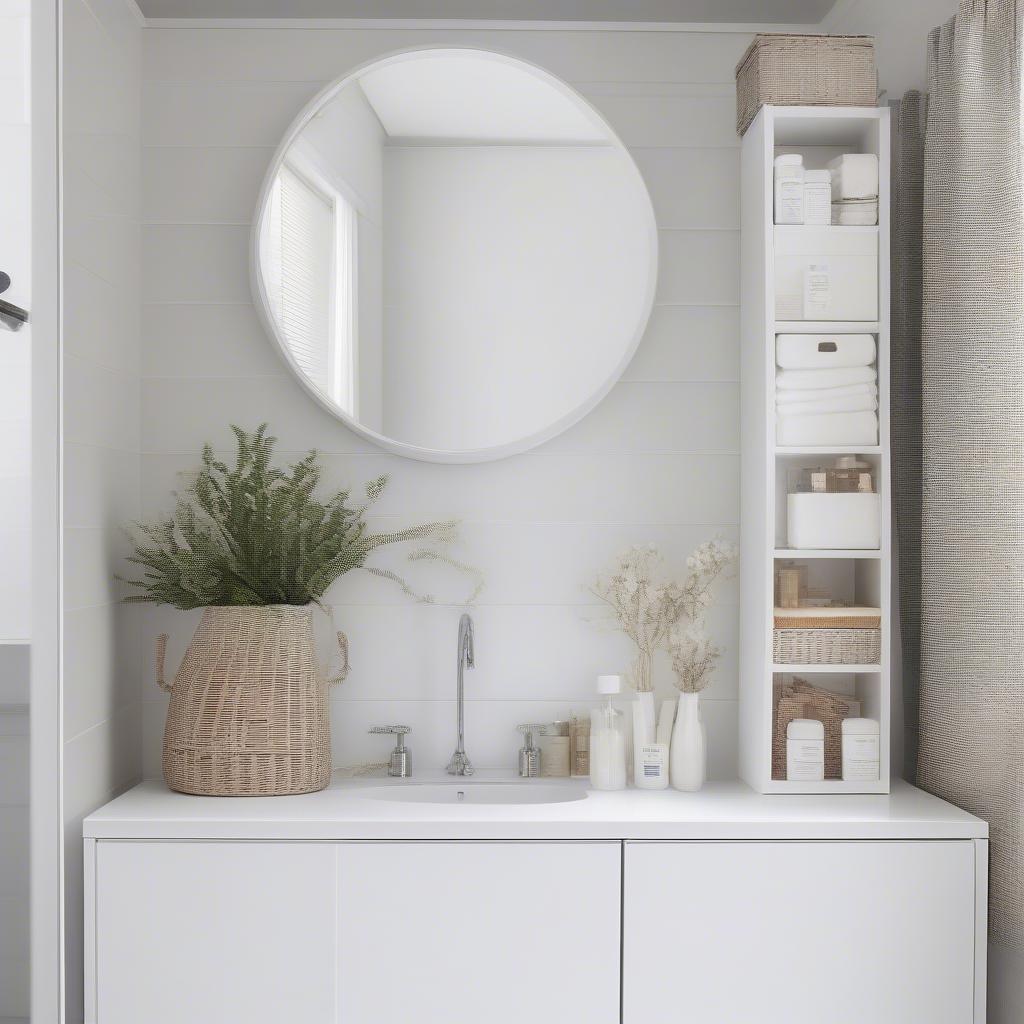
(817, 291)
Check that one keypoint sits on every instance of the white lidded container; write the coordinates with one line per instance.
(608, 739)
(821, 274)
(833, 521)
(805, 750)
(789, 189)
(817, 197)
(861, 750)
(823, 351)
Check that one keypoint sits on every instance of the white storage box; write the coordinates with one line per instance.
(833, 521)
(823, 351)
(826, 274)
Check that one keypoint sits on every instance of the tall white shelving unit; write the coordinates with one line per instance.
(819, 133)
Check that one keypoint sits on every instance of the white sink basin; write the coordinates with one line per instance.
(479, 793)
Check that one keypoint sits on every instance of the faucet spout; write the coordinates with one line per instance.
(460, 763)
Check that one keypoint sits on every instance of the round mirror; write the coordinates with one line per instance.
(455, 254)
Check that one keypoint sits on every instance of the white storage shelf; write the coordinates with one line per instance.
(858, 576)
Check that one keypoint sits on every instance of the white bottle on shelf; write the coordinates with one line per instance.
(608, 739)
(789, 189)
(860, 750)
(805, 750)
(817, 197)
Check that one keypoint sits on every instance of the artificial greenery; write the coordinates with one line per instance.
(257, 535)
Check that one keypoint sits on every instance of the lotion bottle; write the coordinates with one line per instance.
(608, 739)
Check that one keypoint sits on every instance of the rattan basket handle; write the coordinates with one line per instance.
(345, 666)
(161, 655)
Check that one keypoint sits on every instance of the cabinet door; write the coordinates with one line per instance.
(467, 933)
(214, 933)
(799, 933)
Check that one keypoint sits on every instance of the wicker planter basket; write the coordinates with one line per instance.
(248, 713)
(805, 70)
(827, 646)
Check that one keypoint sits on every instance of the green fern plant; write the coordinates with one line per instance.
(254, 534)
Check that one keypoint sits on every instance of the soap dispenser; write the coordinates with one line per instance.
(608, 738)
(400, 762)
(529, 754)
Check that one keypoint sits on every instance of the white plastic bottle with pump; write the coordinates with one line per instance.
(608, 739)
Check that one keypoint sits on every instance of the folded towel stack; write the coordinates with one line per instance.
(855, 189)
(826, 390)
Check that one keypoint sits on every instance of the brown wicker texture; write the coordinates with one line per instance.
(827, 646)
(801, 700)
(805, 70)
(248, 714)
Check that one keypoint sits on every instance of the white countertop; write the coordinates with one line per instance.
(346, 810)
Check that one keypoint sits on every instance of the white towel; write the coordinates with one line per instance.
(823, 351)
(820, 431)
(824, 394)
(853, 403)
(805, 380)
(854, 176)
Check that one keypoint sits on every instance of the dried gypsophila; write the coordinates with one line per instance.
(694, 656)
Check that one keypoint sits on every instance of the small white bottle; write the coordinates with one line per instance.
(608, 739)
(817, 197)
(860, 750)
(789, 189)
(805, 750)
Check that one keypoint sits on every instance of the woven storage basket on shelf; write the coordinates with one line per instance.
(826, 646)
(805, 70)
(248, 714)
(801, 700)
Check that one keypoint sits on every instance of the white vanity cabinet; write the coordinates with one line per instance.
(802, 932)
(211, 933)
(469, 932)
(718, 907)
(354, 933)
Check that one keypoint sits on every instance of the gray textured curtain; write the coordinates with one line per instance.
(958, 407)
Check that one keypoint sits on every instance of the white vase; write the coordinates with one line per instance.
(688, 756)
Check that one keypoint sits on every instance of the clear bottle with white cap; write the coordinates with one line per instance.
(608, 738)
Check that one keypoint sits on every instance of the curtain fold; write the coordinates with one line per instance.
(907, 118)
(971, 498)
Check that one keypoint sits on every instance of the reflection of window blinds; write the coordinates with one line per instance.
(307, 260)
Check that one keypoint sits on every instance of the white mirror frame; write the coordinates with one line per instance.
(262, 301)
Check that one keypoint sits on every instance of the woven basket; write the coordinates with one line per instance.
(248, 713)
(805, 70)
(827, 646)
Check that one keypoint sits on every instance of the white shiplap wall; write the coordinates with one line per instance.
(101, 282)
(657, 461)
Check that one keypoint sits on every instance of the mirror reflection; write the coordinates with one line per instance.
(455, 253)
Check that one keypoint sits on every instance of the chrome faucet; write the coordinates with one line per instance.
(460, 764)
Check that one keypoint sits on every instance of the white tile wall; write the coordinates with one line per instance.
(102, 705)
(657, 461)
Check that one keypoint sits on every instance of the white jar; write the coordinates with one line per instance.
(805, 750)
(860, 750)
(817, 197)
(789, 189)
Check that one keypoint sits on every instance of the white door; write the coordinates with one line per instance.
(799, 933)
(479, 933)
(214, 933)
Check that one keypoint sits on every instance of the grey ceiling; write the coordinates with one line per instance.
(757, 11)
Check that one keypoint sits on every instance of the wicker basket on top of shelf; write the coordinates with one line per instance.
(805, 70)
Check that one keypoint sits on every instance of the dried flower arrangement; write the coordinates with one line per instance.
(657, 613)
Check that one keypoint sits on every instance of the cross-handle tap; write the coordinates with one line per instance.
(460, 763)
